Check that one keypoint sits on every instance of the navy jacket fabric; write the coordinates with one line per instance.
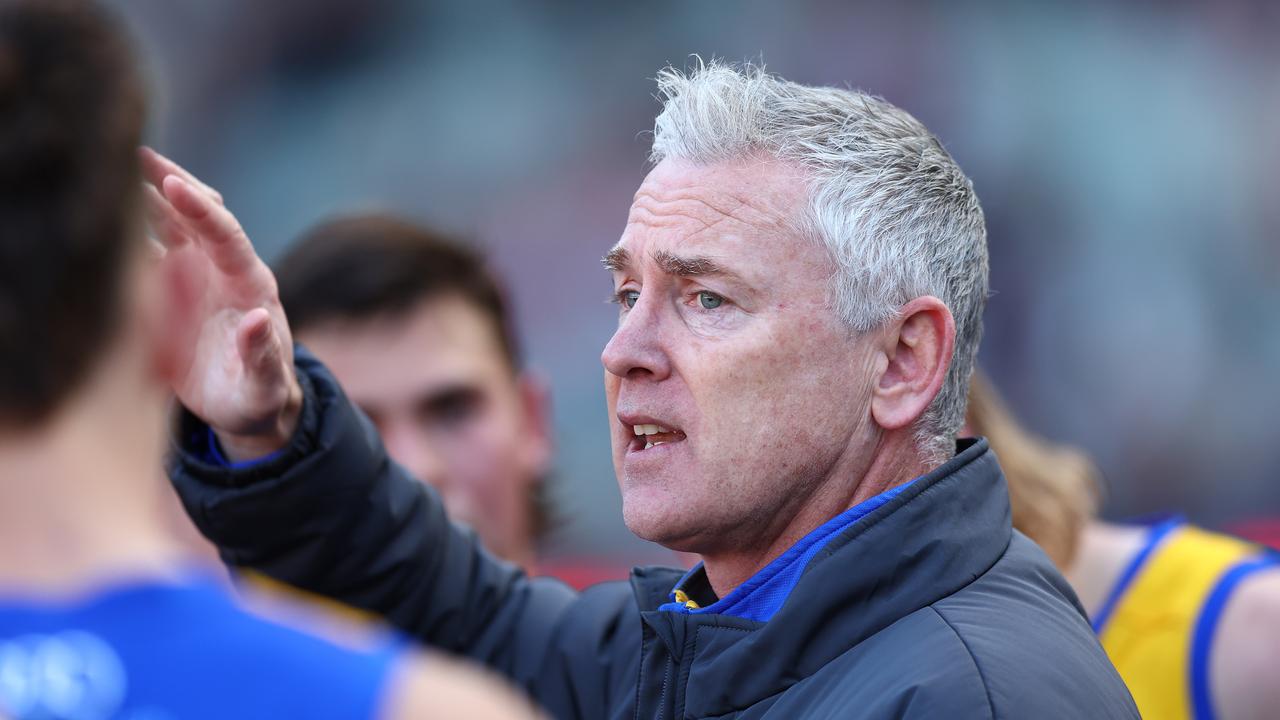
(929, 606)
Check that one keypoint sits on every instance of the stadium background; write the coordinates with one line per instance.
(1125, 154)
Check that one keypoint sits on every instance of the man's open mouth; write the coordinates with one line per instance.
(648, 436)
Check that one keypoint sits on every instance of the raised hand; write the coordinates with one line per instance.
(231, 362)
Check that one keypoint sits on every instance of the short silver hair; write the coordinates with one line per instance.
(896, 213)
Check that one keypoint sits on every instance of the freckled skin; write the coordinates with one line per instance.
(772, 390)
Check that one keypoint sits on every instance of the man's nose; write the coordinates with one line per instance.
(406, 446)
(637, 348)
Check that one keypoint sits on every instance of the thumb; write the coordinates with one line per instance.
(269, 398)
(261, 354)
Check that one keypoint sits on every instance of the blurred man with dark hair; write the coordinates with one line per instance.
(416, 329)
(100, 615)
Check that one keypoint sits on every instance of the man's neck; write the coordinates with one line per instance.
(895, 461)
(80, 497)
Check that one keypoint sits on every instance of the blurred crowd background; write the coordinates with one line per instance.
(1125, 154)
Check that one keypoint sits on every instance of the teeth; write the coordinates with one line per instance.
(648, 429)
(660, 442)
(648, 445)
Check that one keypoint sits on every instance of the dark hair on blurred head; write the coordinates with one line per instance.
(366, 266)
(72, 110)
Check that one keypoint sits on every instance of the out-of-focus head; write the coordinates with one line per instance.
(1054, 489)
(72, 110)
(416, 329)
(802, 277)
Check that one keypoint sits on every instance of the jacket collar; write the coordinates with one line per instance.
(928, 541)
(760, 597)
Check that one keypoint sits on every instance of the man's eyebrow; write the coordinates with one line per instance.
(616, 260)
(687, 266)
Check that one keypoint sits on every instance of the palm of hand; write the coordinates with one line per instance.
(215, 382)
(231, 362)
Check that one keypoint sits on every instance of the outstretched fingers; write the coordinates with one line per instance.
(181, 208)
(166, 224)
(156, 167)
(214, 227)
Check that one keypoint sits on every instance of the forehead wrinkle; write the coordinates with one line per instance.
(736, 228)
(674, 219)
(693, 203)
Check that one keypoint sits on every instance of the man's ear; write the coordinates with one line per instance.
(535, 406)
(917, 349)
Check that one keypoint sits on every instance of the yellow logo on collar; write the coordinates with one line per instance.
(683, 598)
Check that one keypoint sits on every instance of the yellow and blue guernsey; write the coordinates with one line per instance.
(184, 650)
(1158, 623)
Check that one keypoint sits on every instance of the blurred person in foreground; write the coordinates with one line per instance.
(100, 614)
(1190, 618)
(800, 286)
(417, 331)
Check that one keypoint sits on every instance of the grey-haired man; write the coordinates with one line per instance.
(800, 286)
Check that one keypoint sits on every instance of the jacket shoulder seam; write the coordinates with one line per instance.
(986, 689)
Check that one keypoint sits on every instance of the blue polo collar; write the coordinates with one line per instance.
(763, 594)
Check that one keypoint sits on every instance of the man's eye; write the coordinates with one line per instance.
(450, 408)
(628, 298)
(709, 300)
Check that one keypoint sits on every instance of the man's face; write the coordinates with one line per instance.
(436, 383)
(726, 339)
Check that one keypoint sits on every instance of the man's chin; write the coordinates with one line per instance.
(674, 532)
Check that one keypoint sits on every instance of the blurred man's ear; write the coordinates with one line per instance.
(535, 401)
(917, 348)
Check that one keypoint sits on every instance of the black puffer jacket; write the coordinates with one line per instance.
(930, 606)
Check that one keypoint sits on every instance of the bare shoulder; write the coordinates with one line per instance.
(1246, 650)
(427, 686)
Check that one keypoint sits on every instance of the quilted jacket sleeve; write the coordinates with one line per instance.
(333, 515)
